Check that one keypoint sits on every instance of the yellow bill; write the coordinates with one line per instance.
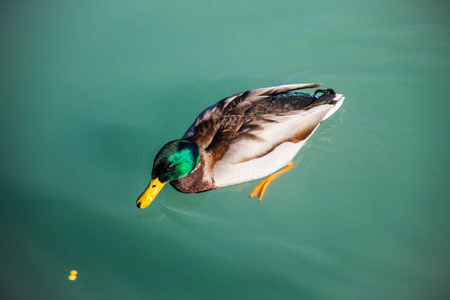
(150, 193)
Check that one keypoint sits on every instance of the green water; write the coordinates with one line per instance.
(90, 91)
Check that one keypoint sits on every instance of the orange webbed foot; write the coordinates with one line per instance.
(261, 187)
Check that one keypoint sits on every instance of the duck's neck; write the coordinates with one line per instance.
(197, 181)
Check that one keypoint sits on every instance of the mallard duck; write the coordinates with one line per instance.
(243, 137)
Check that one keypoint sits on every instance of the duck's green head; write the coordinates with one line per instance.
(177, 159)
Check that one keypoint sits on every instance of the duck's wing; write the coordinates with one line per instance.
(229, 111)
(249, 125)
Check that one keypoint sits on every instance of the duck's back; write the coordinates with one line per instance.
(253, 134)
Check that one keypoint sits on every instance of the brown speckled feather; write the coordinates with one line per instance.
(239, 115)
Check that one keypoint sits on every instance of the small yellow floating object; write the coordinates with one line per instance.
(73, 275)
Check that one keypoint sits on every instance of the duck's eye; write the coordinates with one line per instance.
(170, 167)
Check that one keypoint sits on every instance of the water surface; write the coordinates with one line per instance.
(90, 91)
